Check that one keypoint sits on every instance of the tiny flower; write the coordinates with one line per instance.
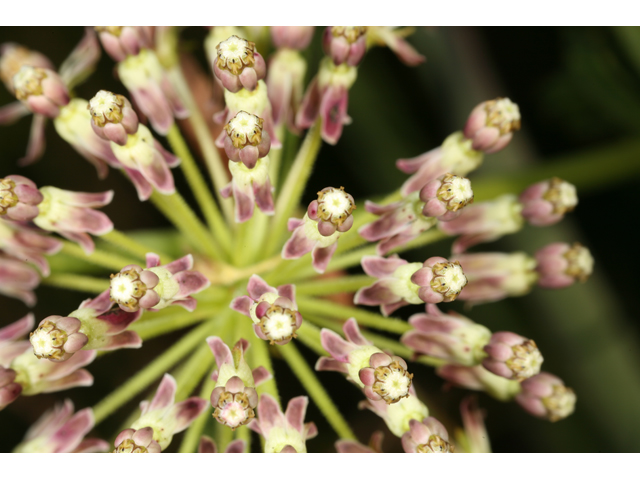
(475, 438)
(245, 141)
(494, 276)
(151, 89)
(386, 378)
(345, 44)
(136, 441)
(41, 90)
(74, 126)
(208, 445)
(394, 39)
(491, 124)
(238, 65)
(446, 196)
(163, 417)
(512, 356)
(327, 97)
(546, 396)
(479, 379)
(398, 415)
(545, 203)
(27, 244)
(234, 398)
(285, 79)
(451, 336)
(59, 430)
(57, 338)
(274, 312)
(147, 163)
(71, 215)
(13, 57)
(428, 436)
(294, 38)
(41, 376)
(120, 42)
(351, 446)
(284, 432)
(327, 218)
(156, 286)
(347, 356)
(402, 283)
(484, 222)
(399, 223)
(559, 265)
(93, 326)
(454, 156)
(112, 117)
(19, 198)
(18, 280)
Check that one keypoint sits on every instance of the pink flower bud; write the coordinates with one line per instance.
(386, 378)
(19, 198)
(27, 244)
(428, 436)
(283, 432)
(451, 336)
(545, 396)
(545, 203)
(13, 57)
(512, 356)
(156, 286)
(59, 430)
(274, 312)
(120, 42)
(41, 90)
(71, 215)
(136, 441)
(399, 223)
(112, 117)
(491, 124)
(494, 276)
(238, 65)
(446, 196)
(345, 44)
(327, 218)
(245, 141)
(560, 265)
(295, 38)
(18, 280)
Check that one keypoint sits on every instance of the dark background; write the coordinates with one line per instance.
(579, 94)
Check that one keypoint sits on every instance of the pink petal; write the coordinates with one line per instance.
(241, 305)
(269, 414)
(321, 256)
(207, 445)
(298, 245)
(389, 308)
(153, 260)
(381, 267)
(70, 435)
(352, 332)
(237, 446)
(12, 112)
(264, 197)
(18, 328)
(261, 375)
(380, 293)
(158, 174)
(310, 106)
(143, 187)
(127, 339)
(187, 411)
(367, 376)
(165, 394)
(79, 378)
(91, 445)
(36, 145)
(245, 200)
(331, 364)
(191, 282)
(337, 347)
(220, 350)
(296, 410)
(258, 287)
(333, 110)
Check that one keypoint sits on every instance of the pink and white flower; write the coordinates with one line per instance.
(386, 378)
(136, 441)
(345, 44)
(274, 312)
(19, 198)
(480, 379)
(120, 42)
(546, 396)
(446, 196)
(112, 117)
(398, 416)
(27, 244)
(560, 265)
(428, 436)
(545, 203)
(238, 65)
(512, 356)
(491, 124)
(41, 90)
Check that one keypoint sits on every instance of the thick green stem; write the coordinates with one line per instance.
(152, 371)
(343, 312)
(128, 244)
(293, 186)
(81, 283)
(321, 398)
(329, 286)
(207, 204)
(215, 165)
(107, 260)
(180, 214)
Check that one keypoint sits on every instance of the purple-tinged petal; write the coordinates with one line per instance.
(149, 278)
(298, 245)
(187, 411)
(158, 174)
(18, 328)
(296, 410)
(12, 112)
(380, 293)
(92, 445)
(288, 449)
(220, 350)
(389, 308)
(264, 197)
(294, 223)
(367, 376)
(335, 345)
(261, 375)
(71, 433)
(321, 256)
(352, 332)
(181, 264)
(310, 106)
(333, 110)
(79, 378)
(191, 282)
(331, 364)
(153, 260)
(245, 201)
(143, 187)
(118, 320)
(165, 394)
(258, 287)
(242, 304)
(269, 414)
(381, 267)
(127, 339)
(207, 445)
(288, 291)
(36, 145)
(237, 446)
(149, 300)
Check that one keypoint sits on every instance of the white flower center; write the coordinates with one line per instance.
(526, 360)
(562, 195)
(503, 114)
(392, 382)
(561, 403)
(449, 279)
(278, 323)
(235, 53)
(335, 205)
(106, 106)
(28, 81)
(456, 192)
(580, 262)
(245, 128)
(47, 341)
(126, 288)
(233, 410)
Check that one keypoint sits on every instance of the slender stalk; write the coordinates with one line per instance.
(193, 371)
(275, 156)
(343, 312)
(309, 334)
(215, 165)
(180, 214)
(104, 259)
(129, 245)
(293, 186)
(329, 286)
(207, 204)
(310, 382)
(159, 325)
(151, 372)
(81, 283)
(192, 435)
(244, 433)
(259, 356)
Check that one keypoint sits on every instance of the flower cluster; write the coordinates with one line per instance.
(238, 273)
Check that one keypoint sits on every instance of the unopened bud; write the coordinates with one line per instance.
(512, 356)
(112, 117)
(57, 338)
(345, 44)
(41, 90)
(238, 65)
(546, 396)
(446, 197)
(246, 140)
(492, 123)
